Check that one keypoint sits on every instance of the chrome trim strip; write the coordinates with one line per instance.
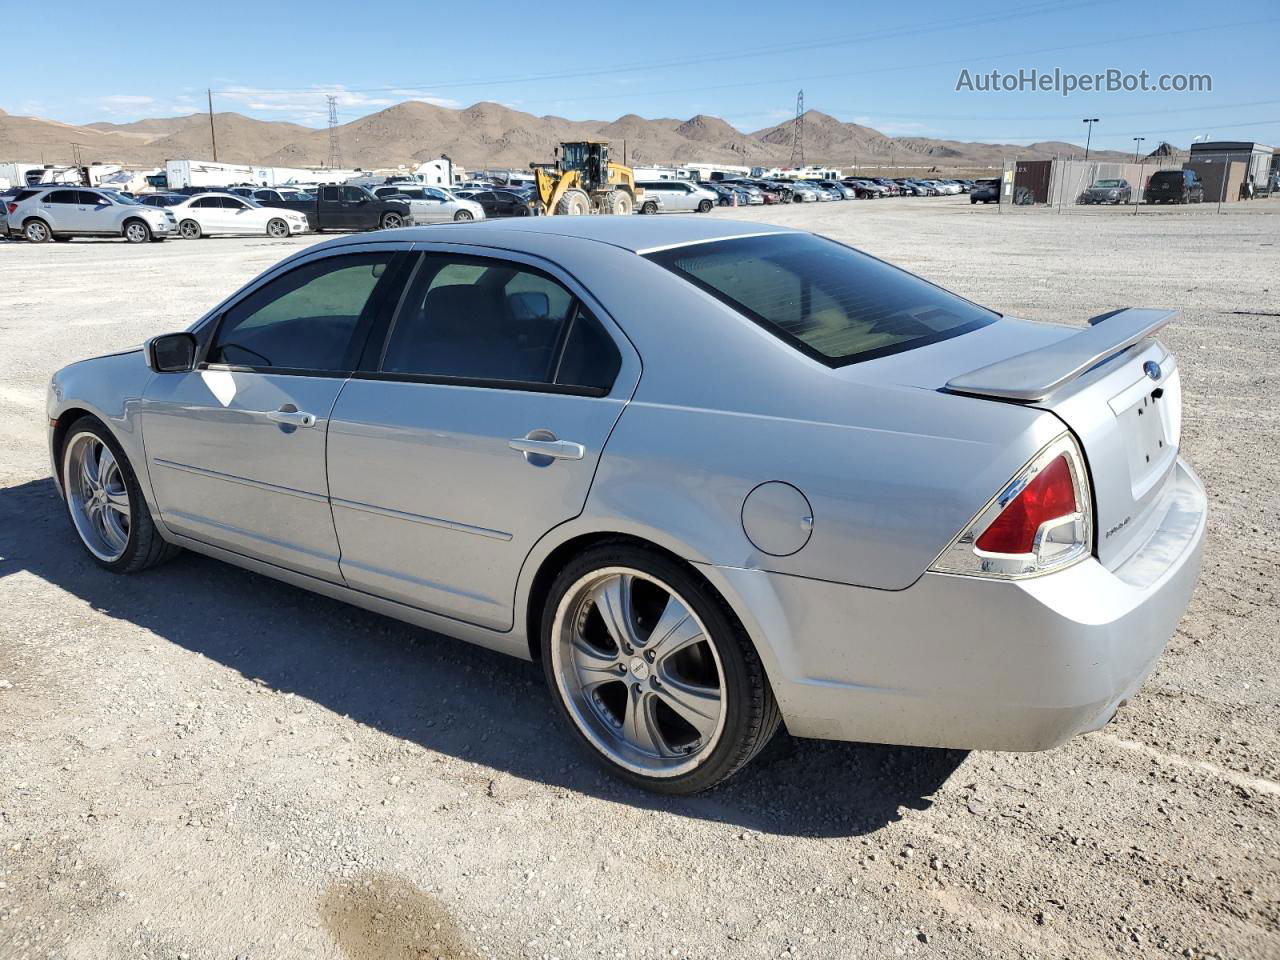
(257, 484)
(421, 518)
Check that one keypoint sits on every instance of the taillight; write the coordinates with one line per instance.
(12, 207)
(1040, 522)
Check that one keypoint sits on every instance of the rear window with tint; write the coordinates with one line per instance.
(825, 299)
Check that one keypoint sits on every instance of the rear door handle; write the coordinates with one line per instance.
(556, 449)
(294, 418)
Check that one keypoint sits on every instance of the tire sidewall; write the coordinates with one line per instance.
(199, 231)
(138, 512)
(48, 234)
(146, 231)
(280, 236)
(740, 692)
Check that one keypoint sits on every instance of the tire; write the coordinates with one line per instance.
(277, 228)
(463, 216)
(574, 203)
(37, 231)
(603, 686)
(705, 206)
(136, 231)
(391, 221)
(649, 208)
(618, 203)
(105, 504)
(190, 230)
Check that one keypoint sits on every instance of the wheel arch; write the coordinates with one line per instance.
(66, 420)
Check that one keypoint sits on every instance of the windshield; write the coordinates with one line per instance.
(1107, 183)
(829, 301)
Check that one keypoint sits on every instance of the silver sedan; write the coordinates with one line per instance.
(716, 477)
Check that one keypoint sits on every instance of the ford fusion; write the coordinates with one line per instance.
(716, 477)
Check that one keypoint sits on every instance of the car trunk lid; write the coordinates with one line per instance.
(1112, 383)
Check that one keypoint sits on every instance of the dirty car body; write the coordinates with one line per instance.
(932, 524)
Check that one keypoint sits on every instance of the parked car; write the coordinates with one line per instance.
(1175, 186)
(41, 214)
(804, 192)
(842, 191)
(344, 207)
(864, 189)
(432, 204)
(985, 191)
(502, 203)
(680, 196)
(967, 531)
(210, 214)
(162, 199)
(1107, 191)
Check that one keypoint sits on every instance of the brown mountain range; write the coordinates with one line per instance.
(491, 135)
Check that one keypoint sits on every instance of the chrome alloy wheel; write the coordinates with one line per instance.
(638, 672)
(97, 496)
(277, 228)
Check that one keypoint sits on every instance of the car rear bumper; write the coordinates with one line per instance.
(973, 663)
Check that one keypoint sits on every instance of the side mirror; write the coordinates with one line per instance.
(171, 353)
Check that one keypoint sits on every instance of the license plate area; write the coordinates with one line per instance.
(1150, 446)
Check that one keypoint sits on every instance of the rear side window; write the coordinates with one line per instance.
(828, 301)
(63, 196)
(493, 321)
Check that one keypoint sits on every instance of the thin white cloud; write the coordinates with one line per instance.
(129, 105)
(309, 105)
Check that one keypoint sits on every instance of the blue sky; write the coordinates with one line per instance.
(890, 67)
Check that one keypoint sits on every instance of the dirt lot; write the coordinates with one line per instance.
(203, 763)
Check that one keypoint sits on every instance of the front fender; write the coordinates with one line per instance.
(109, 388)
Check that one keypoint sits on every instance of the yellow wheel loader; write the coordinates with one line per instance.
(583, 180)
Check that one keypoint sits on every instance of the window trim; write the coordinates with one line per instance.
(660, 257)
(374, 354)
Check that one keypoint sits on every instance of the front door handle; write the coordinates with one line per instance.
(294, 418)
(543, 444)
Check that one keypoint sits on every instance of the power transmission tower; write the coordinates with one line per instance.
(335, 152)
(797, 136)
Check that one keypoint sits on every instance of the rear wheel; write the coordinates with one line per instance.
(652, 672)
(189, 230)
(618, 202)
(135, 231)
(574, 203)
(105, 503)
(37, 231)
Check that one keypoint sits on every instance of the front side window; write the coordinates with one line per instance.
(352, 194)
(828, 301)
(473, 318)
(310, 319)
(89, 199)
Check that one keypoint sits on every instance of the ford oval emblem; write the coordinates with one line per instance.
(1151, 369)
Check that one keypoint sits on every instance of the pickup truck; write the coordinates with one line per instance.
(347, 207)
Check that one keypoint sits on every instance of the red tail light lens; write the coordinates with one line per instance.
(1041, 521)
(1050, 496)
(12, 207)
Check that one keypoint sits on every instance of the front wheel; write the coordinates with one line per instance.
(463, 216)
(391, 221)
(105, 503)
(652, 672)
(277, 228)
(705, 206)
(135, 231)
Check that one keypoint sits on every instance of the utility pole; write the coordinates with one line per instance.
(1090, 121)
(1137, 142)
(213, 137)
(797, 136)
(335, 152)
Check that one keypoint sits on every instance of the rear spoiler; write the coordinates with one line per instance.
(1034, 375)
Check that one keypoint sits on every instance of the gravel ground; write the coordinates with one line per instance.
(203, 763)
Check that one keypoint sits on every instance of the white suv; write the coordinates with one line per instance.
(42, 214)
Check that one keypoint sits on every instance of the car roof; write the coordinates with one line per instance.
(632, 233)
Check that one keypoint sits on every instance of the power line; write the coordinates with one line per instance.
(863, 37)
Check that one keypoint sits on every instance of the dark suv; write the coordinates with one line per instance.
(1175, 186)
(985, 191)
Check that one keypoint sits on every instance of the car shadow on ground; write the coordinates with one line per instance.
(443, 694)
